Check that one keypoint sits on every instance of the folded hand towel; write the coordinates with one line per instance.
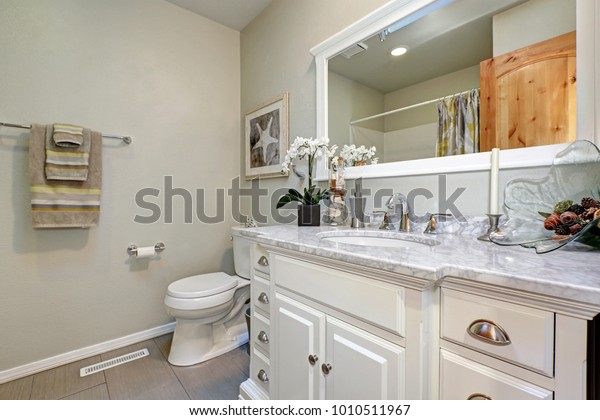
(56, 204)
(67, 164)
(66, 135)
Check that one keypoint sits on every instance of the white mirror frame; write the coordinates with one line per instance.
(588, 92)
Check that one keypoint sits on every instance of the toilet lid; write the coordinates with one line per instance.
(202, 285)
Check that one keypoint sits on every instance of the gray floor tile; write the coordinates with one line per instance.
(240, 358)
(215, 379)
(99, 392)
(64, 380)
(150, 377)
(19, 389)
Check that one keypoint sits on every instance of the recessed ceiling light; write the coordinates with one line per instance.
(399, 51)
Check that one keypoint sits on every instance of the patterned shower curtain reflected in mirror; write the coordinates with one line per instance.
(458, 127)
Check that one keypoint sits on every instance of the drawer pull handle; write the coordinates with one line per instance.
(263, 261)
(478, 396)
(262, 376)
(263, 337)
(488, 332)
(326, 368)
(312, 359)
(263, 298)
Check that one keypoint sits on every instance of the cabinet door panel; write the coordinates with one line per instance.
(363, 366)
(299, 331)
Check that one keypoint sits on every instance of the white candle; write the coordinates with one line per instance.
(494, 181)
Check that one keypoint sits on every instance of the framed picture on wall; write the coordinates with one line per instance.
(266, 138)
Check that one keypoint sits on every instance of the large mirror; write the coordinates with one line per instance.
(367, 97)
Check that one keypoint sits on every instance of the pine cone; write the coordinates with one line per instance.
(562, 230)
(577, 209)
(589, 202)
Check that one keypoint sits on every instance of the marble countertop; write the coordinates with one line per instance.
(572, 272)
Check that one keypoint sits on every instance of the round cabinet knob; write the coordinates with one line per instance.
(326, 368)
(262, 376)
(263, 298)
(263, 337)
(312, 359)
(263, 261)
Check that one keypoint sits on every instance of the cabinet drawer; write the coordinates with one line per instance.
(480, 323)
(260, 369)
(371, 300)
(260, 294)
(462, 379)
(261, 332)
(260, 259)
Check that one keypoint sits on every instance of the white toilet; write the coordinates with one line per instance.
(209, 310)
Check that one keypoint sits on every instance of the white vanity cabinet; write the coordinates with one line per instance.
(329, 329)
(339, 335)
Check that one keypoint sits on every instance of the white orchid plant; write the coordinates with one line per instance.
(310, 149)
(353, 154)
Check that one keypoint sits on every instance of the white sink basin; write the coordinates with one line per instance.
(377, 239)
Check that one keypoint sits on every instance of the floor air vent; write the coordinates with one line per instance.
(98, 367)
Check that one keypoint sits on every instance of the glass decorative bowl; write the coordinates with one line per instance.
(575, 174)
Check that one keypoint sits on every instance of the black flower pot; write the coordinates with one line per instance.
(309, 214)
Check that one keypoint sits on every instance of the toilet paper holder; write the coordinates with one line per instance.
(133, 249)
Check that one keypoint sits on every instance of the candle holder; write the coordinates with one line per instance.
(493, 221)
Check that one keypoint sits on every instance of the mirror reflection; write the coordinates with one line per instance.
(434, 99)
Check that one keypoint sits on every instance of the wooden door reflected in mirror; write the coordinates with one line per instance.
(528, 95)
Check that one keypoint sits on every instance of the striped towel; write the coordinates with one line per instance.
(66, 135)
(56, 204)
(67, 163)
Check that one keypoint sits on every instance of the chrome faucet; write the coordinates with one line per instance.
(398, 200)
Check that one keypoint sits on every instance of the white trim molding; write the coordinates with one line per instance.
(83, 353)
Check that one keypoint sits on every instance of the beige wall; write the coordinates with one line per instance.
(275, 58)
(144, 68)
(534, 21)
(348, 101)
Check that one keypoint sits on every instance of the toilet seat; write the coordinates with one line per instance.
(202, 285)
(201, 291)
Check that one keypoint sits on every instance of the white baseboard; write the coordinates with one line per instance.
(73, 356)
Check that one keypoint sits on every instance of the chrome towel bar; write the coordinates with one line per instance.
(125, 139)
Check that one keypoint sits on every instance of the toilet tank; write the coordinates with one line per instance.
(241, 253)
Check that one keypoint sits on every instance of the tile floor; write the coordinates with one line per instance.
(148, 378)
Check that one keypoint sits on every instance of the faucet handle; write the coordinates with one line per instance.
(386, 224)
(433, 221)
